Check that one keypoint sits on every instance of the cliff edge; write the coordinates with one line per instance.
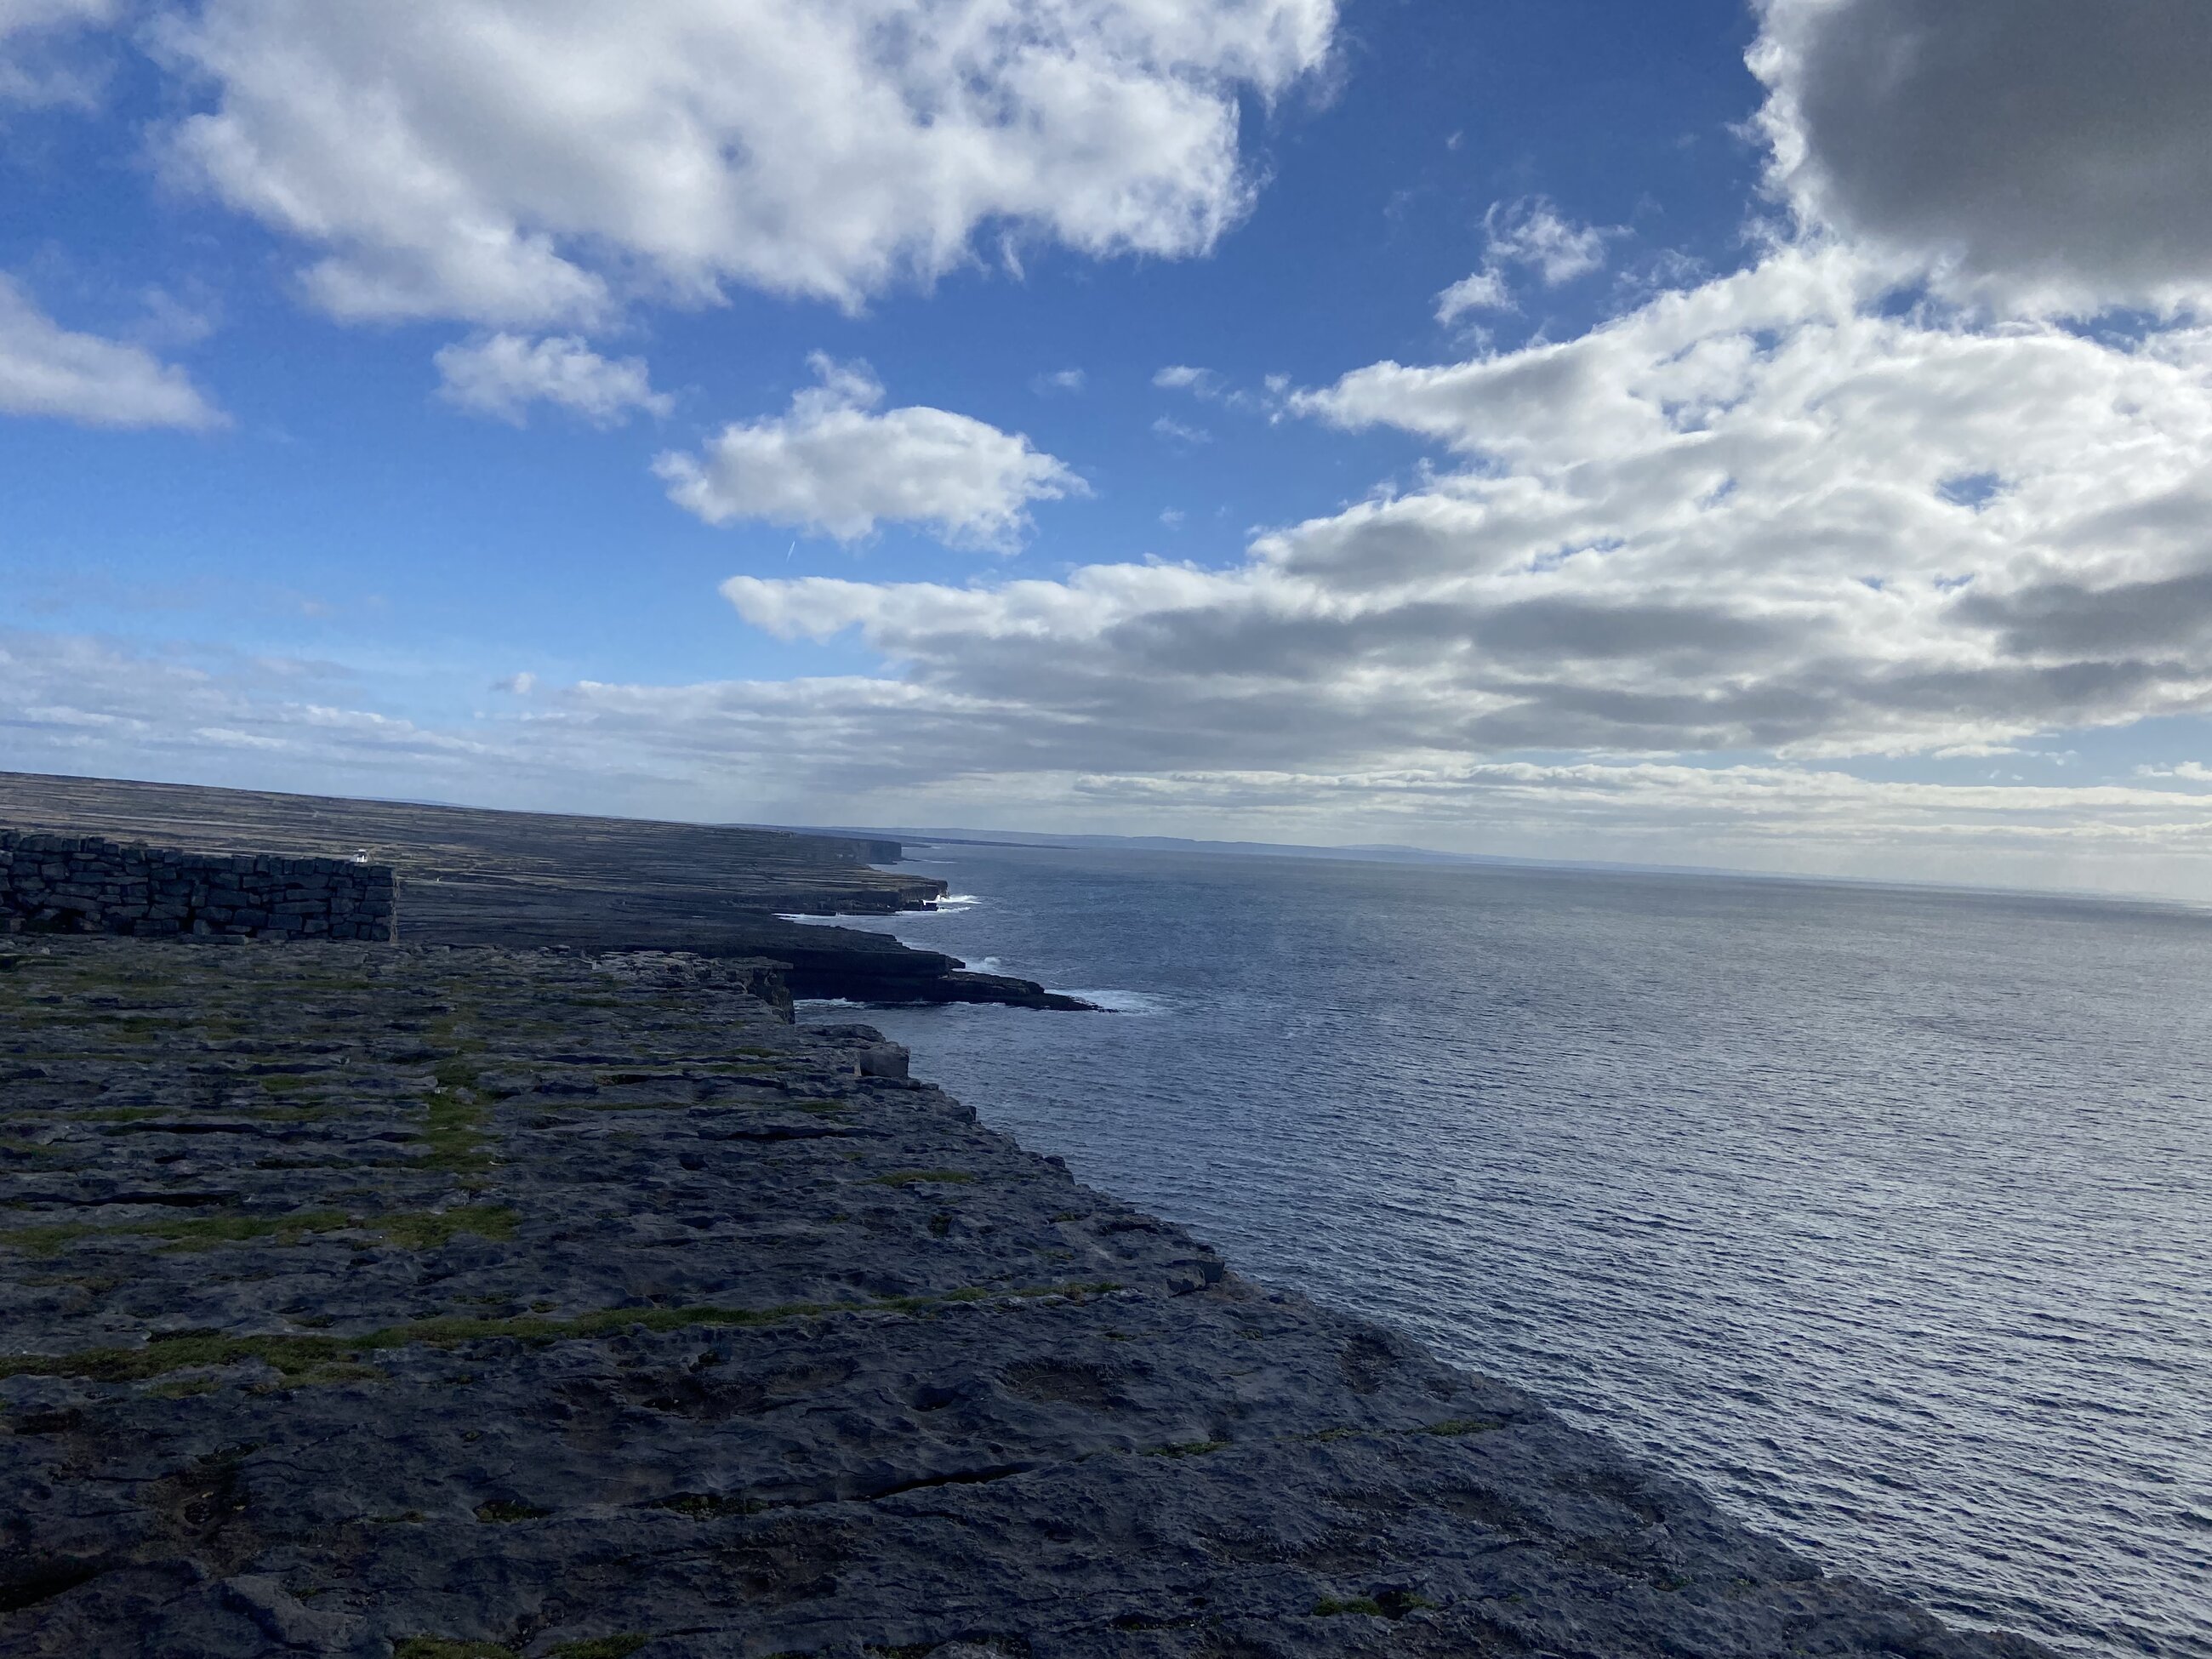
(376, 1300)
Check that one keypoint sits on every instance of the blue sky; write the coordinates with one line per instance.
(1526, 427)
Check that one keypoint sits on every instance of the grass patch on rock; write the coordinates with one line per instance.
(1392, 1604)
(501, 1510)
(1330, 1607)
(454, 1119)
(600, 1647)
(704, 1506)
(181, 1232)
(1185, 1448)
(912, 1177)
(310, 1358)
(419, 1229)
(426, 1229)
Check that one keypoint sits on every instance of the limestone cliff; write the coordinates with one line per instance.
(375, 1300)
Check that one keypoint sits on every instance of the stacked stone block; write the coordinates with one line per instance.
(83, 884)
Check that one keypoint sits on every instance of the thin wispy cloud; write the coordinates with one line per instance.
(1530, 236)
(64, 375)
(504, 374)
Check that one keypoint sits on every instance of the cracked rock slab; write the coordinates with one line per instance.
(453, 1304)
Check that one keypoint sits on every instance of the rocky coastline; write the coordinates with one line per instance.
(446, 1302)
(520, 880)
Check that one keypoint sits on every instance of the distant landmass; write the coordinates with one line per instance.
(1361, 852)
(1397, 853)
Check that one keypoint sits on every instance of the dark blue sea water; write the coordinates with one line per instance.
(1885, 1214)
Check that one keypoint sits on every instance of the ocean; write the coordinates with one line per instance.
(1883, 1213)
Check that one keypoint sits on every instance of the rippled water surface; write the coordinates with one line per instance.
(1885, 1214)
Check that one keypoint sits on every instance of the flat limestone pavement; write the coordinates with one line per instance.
(455, 1303)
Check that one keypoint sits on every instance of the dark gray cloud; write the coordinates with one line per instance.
(2130, 619)
(2056, 147)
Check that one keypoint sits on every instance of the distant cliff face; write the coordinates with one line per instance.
(510, 879)
(85, 885)
(493, 861)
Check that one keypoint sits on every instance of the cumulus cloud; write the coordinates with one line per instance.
(503, 374)
(2043, 153)
(48, 370)
(834, 466)
(1724, 523)
(523, 164)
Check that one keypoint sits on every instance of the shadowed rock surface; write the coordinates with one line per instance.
(366, 1300)
(470, 877)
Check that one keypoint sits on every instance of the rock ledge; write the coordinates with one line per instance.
(457, 1303)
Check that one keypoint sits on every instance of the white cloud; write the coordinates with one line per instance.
(1485, 291)
(1718, 525)
(1209, 388)
(48, 370)
(886, 751)
(37, 65)
(834, 467)
(1176, 432)
(502, 376)
(1064, 379)
(1205, 385)
(1529, 234)
(531, 165)
(22, 16)
(2040, 153)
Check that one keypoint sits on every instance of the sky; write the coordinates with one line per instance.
(1776, 435)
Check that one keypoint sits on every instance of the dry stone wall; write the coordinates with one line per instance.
(84, 884)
